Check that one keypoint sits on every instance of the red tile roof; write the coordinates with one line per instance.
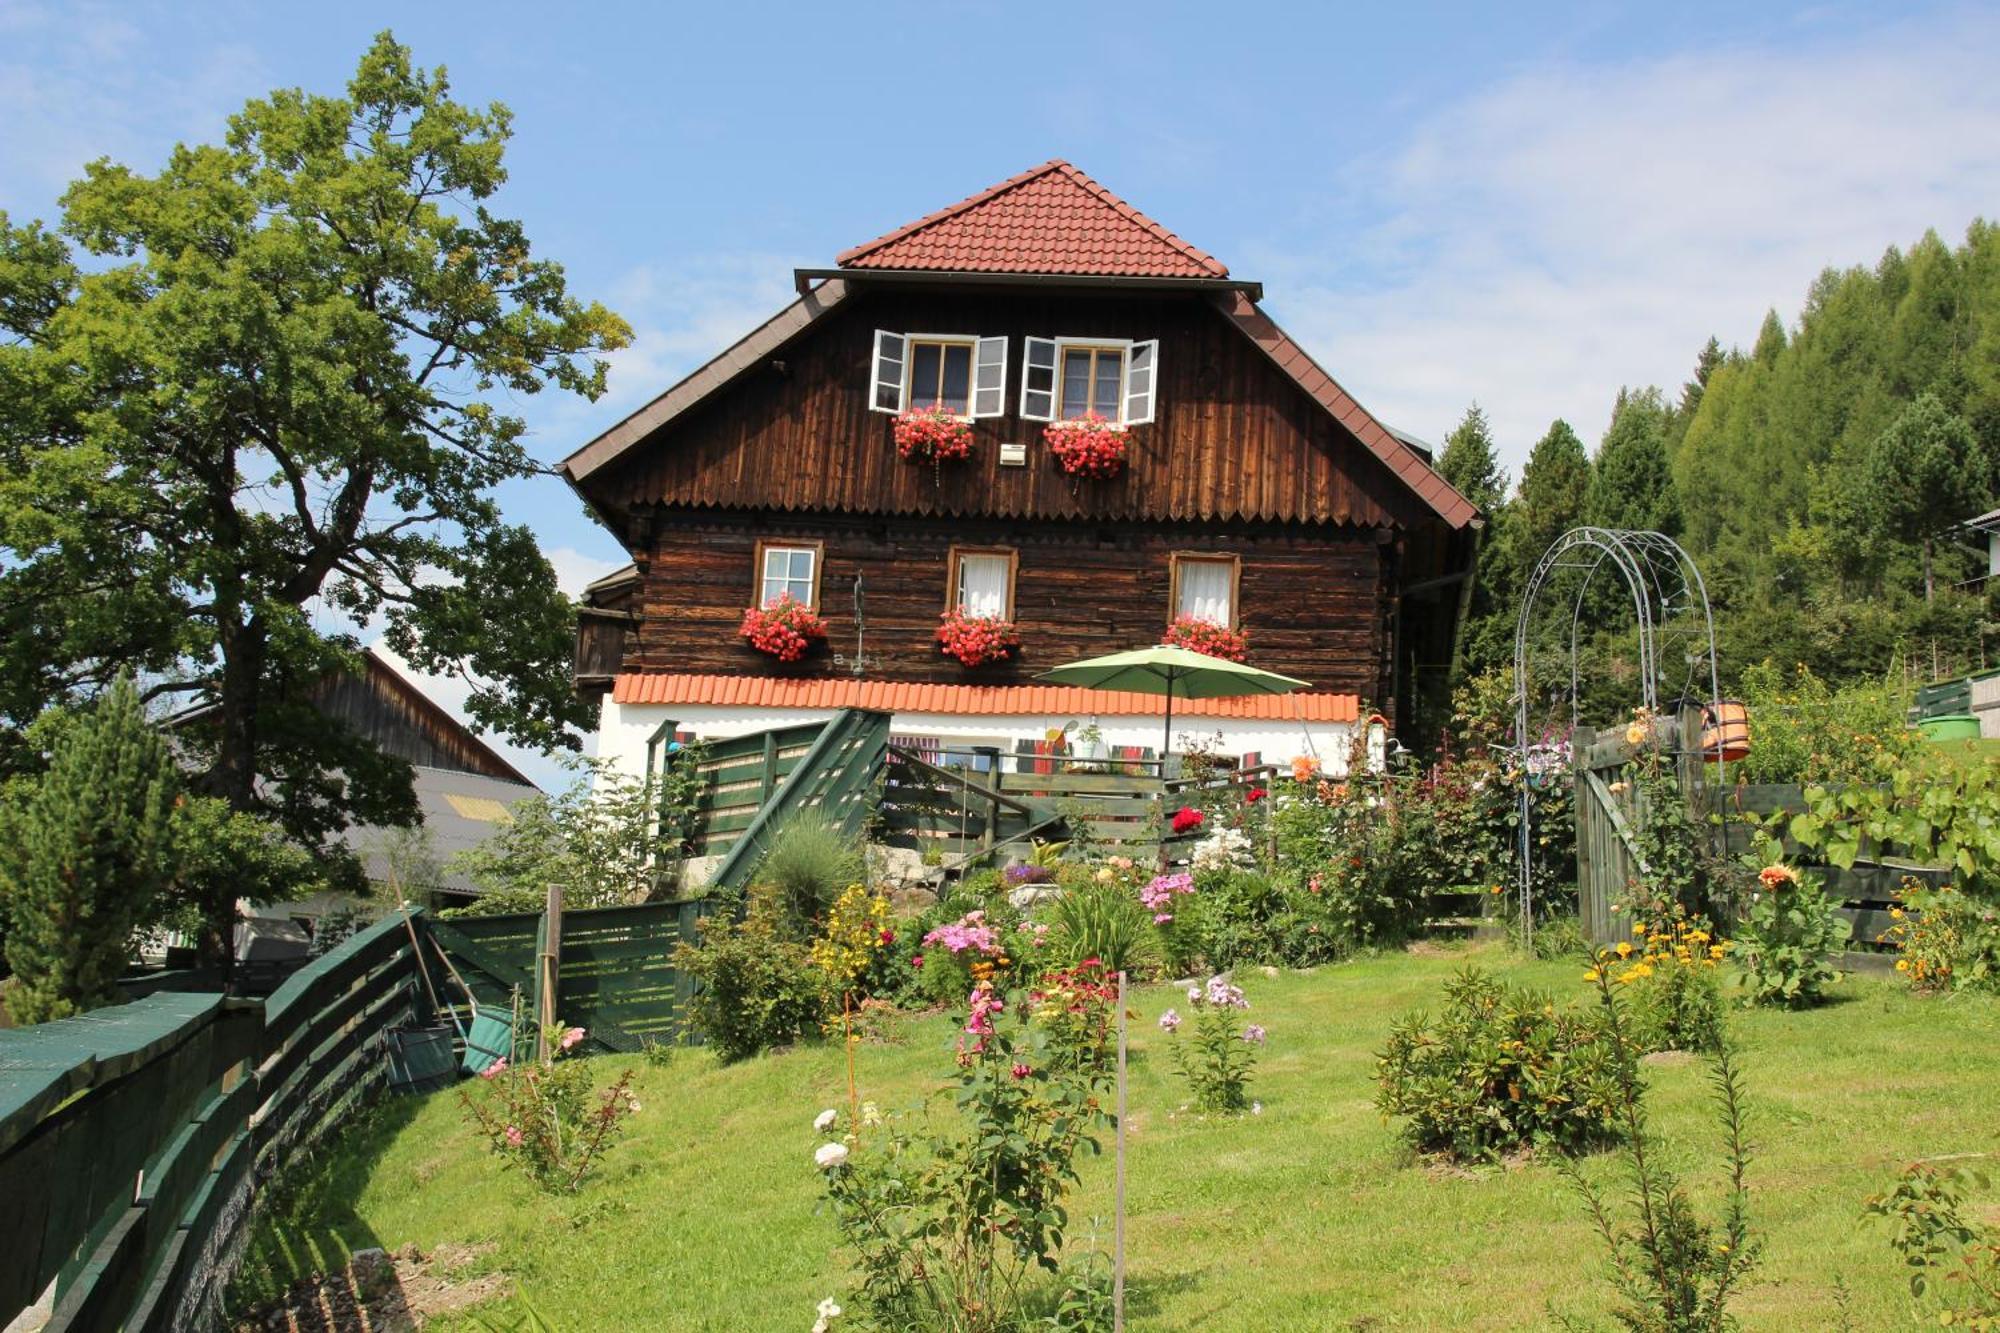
(1007, 700)
(1052, 219)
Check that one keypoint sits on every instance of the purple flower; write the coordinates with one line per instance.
(1161, 918)
(1169, 1021)
(1254, 1034)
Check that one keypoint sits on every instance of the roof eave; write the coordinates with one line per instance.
(804, 278)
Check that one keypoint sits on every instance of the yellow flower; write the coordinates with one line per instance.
(1715, 951)
(1638, 928)
(1896, 912)
(1592, 975)
(1635, 734)
(1902, 964)
(1624, 948)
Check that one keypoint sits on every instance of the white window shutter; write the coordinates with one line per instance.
(1142, 369)
(1038, 380)
(885, 389)
(989, 378)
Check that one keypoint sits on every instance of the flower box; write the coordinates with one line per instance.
(976, 640)
(1203, 636)
(1092, 447)
(783, 628)
(932, 435)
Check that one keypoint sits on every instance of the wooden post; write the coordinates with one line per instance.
(1588, 908)
(548, 972)
(1118, 1194)
(769, 781)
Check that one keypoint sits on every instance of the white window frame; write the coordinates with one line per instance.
(986, 375)
(1136, 401)
(764, 548)
(955, 563)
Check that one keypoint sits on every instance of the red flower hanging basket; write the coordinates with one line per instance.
(783, 628)
(1092, 447)
(932, 435)
(977, 640)
(1203, 636)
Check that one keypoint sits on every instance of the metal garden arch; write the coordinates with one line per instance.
(1672, 619)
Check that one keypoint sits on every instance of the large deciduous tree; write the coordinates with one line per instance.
(261, 401)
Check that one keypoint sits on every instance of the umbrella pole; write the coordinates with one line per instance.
(1167, 741)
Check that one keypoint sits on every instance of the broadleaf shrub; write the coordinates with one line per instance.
(755, 987)
(1786, 945)
(1499, 1070)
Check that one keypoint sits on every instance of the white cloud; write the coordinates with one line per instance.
(1571, 229)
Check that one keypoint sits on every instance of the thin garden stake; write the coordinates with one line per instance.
(1118, 1194)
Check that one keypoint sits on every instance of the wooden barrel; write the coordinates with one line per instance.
(1725, 730)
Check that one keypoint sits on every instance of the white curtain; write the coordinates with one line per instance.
(982, 585)
(1205, 590)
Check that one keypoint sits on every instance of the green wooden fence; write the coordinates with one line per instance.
(133, 1139)
(615, 974)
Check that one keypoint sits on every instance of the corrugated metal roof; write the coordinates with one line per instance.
(997, 700)
(1050, 219)
(444, 795)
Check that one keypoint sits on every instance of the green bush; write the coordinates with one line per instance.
(810, 861)
(1803, 730)
(1093, 919)
(1677, 1006)
(754, 987)
(1500, 1070)
(1786, 945)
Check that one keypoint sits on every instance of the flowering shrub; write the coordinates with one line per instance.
(1092, 447)
(933, 435)
(977, 640)
(1217, 1059)
(857, 928)
(1785, 947)
(783, 627)
(1205, 636)
(543, 1119)
(1500, 1070)
(1946, 940)
(947, 1224)
(1224, 849)
(754, 987)
(1075, 1007)
(1158, 895)
(1803, 730)
(1672, 984)
(1186, 820)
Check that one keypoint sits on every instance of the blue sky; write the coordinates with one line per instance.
(1526, 206)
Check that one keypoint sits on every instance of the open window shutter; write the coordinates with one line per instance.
(989, 378)
(1141, 371)
(1038, 380)
(885, 392)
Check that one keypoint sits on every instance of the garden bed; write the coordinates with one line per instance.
(707, 1215)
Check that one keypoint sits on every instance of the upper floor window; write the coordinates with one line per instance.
(962, 373)
(1067, 379)
(1204, 586)
(788, 569)
(982, 581)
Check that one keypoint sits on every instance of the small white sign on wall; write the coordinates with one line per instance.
(1013, 455)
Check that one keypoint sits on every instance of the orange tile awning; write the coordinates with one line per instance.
(1014, 700)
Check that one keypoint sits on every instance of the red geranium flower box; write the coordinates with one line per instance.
(976, 640)
(933, 434)
(1091, 447)
(1203, 636)
(783, 627)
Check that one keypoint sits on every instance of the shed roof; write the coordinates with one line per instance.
(1050, 219)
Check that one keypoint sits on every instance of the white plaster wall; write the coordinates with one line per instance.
(624, 728)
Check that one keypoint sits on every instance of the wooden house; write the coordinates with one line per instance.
(1253, 493)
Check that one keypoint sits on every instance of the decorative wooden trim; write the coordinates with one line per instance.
(1174, 562)
(951, 573)
(814, 544)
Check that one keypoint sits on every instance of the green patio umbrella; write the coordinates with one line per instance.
(1170, 672)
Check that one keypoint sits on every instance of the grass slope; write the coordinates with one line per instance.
(1309, 1216)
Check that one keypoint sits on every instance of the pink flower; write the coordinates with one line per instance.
(917, 962)
(888, 937)
(1169, 1021)
(571, 1038)
(495, 1068)
(1161, 918)
(1021, 1071)
(513, 1137)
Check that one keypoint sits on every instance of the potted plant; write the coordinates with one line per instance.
(1089, 447)
(932, 434)
(783, 627)
(1205, 636)
(976, 640)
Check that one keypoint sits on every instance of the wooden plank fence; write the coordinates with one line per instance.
(133, 1139)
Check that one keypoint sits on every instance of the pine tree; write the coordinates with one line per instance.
(85, 848)
(1469, 463)
(1631, 484)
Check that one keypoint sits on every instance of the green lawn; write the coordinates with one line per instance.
(1309, 1216)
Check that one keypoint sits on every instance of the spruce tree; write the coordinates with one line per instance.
(1555, 491)
(1632, 485)
(85, 849)
(1469, 463)
(1926, 474)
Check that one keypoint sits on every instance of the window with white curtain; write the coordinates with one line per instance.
(983, 583)
(1205, 588)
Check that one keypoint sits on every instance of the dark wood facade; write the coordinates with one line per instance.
(1348, 577)
(395, 716)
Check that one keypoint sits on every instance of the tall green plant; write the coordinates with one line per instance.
(1103, 921)
(85, 851)
(810, 861)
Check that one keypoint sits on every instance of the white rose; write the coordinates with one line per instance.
(830, 1155)
(828, 1310)
(824, 1120)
